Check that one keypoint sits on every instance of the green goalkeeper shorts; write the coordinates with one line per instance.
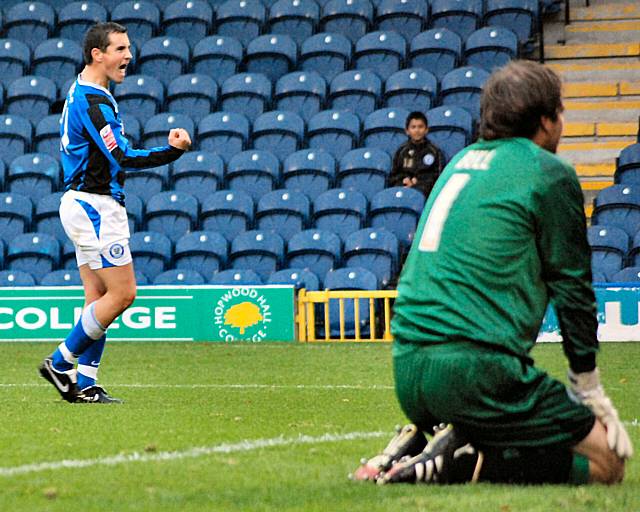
(494, 398)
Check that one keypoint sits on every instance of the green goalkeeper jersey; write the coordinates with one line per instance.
(502, 234)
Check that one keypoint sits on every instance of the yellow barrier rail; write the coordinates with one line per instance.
(314, 303)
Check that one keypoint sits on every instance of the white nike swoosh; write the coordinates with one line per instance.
(95, 363)
(62, 387)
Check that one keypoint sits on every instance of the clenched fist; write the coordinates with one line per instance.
(179, 138)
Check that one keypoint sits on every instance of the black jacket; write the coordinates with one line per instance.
(422, 160)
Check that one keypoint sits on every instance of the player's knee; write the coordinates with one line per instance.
(610, 471)
(127, 297)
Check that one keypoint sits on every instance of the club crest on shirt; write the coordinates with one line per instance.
(428, 159)
(108, 138)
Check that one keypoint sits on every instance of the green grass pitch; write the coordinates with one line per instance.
(212, 427)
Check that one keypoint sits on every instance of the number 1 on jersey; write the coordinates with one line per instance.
(430, 240)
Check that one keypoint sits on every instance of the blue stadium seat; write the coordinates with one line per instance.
(350, 278)
(438, 51)
(47, 216)
(327, 54)
(246, 93)
(311, 171)
(3, 174)
(626, 275)
(351, 18)
(334, 131)
(193, 95)
(490, 48)
(461, 16)
(450, 128)
(151, 253)
(628, 165)
(69, 256)
(385, 129)
(406, 17)
(298, 277)
(356, 91)
(411, 89)
(618, 206)
(373, 249)
(35, 253)
(365, 170)
(47, 136)
(57, 59)
(142, 19)
(179, 276)
(228, 213)
(198, 173)
(157, 128)
(609, 247)
(172, 213)
(63, 277)
(340, 210)
(145, 183)
(278, 131)
(15, 59)
(190, 20)
(33, 175)
(135, 212)
(224, 133)
(302, 92)
(383, 52)
(462, 87)
(30, 22)
(163, 58)
(285, 212)
(236, 277)
(31, 97)
(132, 129)
(255, 172)
(204, 251)
(2, 252)
(273, 55)
(16, 212)
(75, 18)
(16, 278)
(217, 57)
(242, 19)
(397, 210)
(316, 250)
(634, 253)
(15, 137)
(295, 18)
(262, 251)
(141, 96)
(520, 16)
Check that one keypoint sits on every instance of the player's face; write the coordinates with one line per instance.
(554, 132)
(117, 56)
(416, 130)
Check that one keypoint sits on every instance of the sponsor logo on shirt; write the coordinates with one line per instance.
(108, 138)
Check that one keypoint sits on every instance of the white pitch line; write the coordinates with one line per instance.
(222, 386)
(191, 453)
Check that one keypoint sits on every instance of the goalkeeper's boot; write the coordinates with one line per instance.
(64, 382)
(407, 442)
(448, 458)
(96, 395)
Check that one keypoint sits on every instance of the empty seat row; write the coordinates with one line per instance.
(207, 252)
(612, 249)
(194, 20)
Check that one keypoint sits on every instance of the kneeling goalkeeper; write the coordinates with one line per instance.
(502, 235)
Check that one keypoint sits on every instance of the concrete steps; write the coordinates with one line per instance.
(604, 89)
(606, 12)
(592, 50)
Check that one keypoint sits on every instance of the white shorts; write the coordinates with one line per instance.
(98, 227)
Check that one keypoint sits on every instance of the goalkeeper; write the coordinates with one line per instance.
(502, 235)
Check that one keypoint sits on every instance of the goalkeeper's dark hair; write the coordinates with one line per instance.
(98, 37)
(515, 97)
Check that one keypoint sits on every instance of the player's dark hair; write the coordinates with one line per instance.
(417, 115)
(515, 97)
(98, 37)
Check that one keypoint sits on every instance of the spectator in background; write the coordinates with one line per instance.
(418, 162)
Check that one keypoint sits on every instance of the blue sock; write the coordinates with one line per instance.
(85, 332)
(88, 363)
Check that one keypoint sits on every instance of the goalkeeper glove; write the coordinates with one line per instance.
(587, 388)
